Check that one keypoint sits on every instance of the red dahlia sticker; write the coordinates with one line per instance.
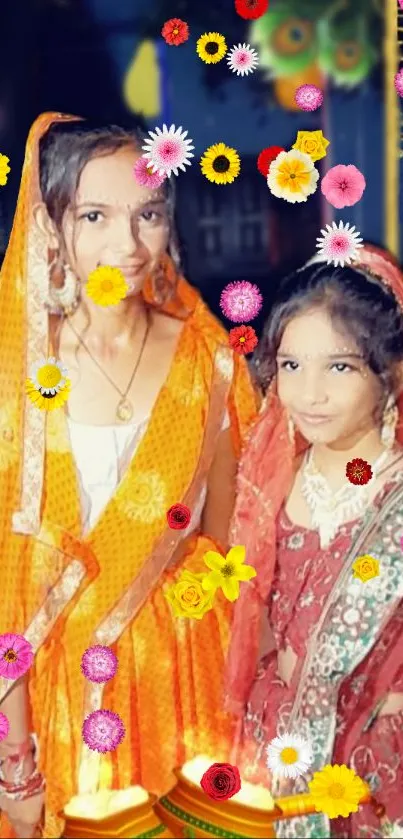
(175, 31)
(358, 471)
(221, 781)
(243, 339)
(179, 516)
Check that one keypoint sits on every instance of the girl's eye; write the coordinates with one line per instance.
(150, 215)
(289, 365)
(341, 367)
(92, 216)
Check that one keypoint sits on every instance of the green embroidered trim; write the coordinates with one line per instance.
(195, 822)
(154, 832)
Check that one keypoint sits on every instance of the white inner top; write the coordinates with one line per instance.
(102, 454)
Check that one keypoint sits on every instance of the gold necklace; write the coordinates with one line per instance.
(124, 408)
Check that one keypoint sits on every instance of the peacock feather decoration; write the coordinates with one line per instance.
(342, 38)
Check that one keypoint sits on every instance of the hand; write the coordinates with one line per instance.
(25, 816)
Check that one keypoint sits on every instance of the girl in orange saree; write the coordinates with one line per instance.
(87, 554)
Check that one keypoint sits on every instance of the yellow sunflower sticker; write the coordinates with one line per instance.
(220, 164)
(211, 47)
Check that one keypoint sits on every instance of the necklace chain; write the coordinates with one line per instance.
(124, 409)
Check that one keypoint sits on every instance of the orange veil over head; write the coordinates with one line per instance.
(24, 327)
(264, 480)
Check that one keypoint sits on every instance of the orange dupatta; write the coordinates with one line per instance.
(66, 592)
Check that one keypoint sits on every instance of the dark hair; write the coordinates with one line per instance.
(356, 303)
(66, 148)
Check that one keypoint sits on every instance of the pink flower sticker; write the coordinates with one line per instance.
(144, 175)
(4, 726)
(241, 301)
(343, 186)
(99, 664)
(103, 731)
(16, 656)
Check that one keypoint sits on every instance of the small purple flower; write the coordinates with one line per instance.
(103, 731)
(4, 726)
(241, 301)
(309, 97)
(99, 664)
(399, 82)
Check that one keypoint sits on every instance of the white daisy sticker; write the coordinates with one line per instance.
(289, 756)
(49, 376)
(242, 59)
(339, 244)
(168, 150)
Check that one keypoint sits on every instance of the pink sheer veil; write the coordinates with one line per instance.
(264, 480)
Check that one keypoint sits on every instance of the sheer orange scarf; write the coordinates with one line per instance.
(264, 480)
(24, 326)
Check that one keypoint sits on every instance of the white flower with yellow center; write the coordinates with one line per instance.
(289, 756)
(49, 377)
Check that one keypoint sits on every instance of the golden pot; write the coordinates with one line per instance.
(137, 821)
(187, 811)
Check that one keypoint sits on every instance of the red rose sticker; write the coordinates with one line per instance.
(358, 471)
(221, 781)
(179, 516)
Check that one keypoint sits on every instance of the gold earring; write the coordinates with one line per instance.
(390, 419)
(161, 289)
(63, 300)
(291, 430)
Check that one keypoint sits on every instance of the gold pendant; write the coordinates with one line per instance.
(124, 410)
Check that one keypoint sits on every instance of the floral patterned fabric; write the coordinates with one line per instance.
(304, 576)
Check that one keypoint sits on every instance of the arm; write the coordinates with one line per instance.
(16, 708)
(24, 815)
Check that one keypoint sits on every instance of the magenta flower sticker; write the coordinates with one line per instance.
(16, 655)
(241, 301)
(103, 731)
(99, 664)
(4, 726)
(309, 97)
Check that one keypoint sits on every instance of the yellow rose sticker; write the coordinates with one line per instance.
(4, 169)
(366, 568)
(188, 598)
(312, 143)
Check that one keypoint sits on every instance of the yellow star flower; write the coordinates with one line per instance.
(227, 572)
(107, 286)
(312, 143)
(336, 791)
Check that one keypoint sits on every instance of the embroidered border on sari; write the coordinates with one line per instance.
(126, 609)
(59, 596)
(388, 593)
(27, 519)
